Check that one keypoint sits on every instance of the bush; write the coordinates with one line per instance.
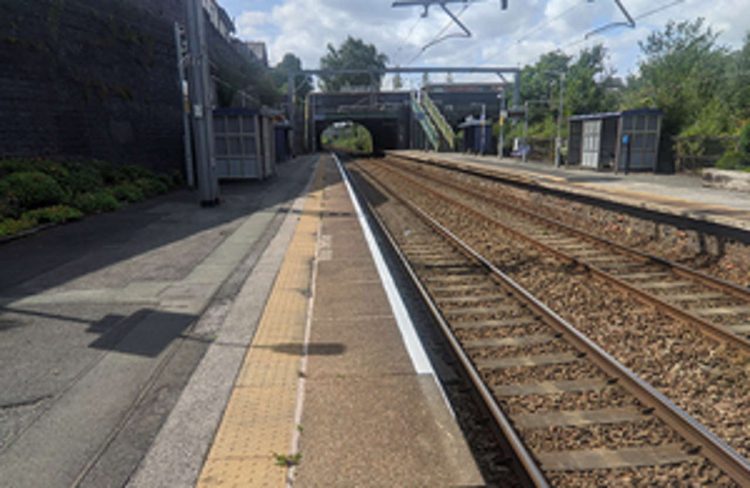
(151, 186)
(733, 160)
(744, 143)
(50, 168)
(53, 215)
(82, 178)
(96, 202)
(11, 227)
(128, 192)
(30, 190)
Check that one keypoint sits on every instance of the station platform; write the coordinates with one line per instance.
(678, 195)
(334, 388)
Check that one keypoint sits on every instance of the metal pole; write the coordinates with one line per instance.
(558, 139)
(482, 134)
(187, 138)
(201, 105)
(517, 90)
(291, 94)
(524, 149)
(501, 122)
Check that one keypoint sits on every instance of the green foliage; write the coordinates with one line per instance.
(30, 190)
(81, 178)
(353, 138)
(96, 202)
(734, 160)
(9, 227)
(744, 143)
(739, 158)
(682, 73)
(712, 121)
(128, 192)
(353, 54)
(588, 87)
(151, 186)
(53, 215)
(291, 64)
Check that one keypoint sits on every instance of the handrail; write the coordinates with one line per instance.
(424, 121)
(439, 120)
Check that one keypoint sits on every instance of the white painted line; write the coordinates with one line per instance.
(305, 355)
(409, 335)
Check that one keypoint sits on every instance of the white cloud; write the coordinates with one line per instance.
(250, 24)
(509, 38)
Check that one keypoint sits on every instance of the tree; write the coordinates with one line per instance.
(682, 73)
(588, 81)
(353, 54)
(398, 82)
(288, 65)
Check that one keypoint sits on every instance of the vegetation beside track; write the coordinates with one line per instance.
(36, 192)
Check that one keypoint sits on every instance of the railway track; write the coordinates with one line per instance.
(707, 378)
(578, 415)
(716, 307)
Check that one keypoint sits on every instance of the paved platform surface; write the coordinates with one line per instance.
(103, 321)
(327, 380)
(682, 195)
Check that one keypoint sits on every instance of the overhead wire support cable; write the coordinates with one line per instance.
(549, 21)
(437, 39)
(630, 21)
(645, 14)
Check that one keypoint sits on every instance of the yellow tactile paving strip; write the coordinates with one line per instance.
(259, 419)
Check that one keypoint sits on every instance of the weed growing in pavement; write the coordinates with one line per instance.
(287, 460)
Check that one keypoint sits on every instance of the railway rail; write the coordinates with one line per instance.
(716, 307)
(575, 415)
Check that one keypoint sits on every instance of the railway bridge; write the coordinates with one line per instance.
(389, 115)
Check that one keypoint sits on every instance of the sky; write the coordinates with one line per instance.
(513, 37)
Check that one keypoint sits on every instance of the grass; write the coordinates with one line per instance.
(38, 191)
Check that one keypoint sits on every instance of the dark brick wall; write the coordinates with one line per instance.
(94, 78)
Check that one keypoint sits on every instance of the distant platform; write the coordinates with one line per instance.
(680, 196)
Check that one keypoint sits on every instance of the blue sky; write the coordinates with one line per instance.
(509, 38)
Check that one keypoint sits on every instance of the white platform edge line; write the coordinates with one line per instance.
(419, 359)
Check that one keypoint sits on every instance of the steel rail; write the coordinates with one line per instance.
(530, 183)
(678, 268)
(504, 425)
(717, 331)
(712, 447)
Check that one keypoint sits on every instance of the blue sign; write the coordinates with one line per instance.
(626, 139)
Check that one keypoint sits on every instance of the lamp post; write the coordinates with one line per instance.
(501, 123)
(558, 139)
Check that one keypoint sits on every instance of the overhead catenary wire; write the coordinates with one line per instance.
(437, 38)
(406, 39)
(549, 21)
(640, 16)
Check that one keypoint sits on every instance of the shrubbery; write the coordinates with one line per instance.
(738, 159)
(96, 202)
(40, 191)
(27, 190)
(128, 192)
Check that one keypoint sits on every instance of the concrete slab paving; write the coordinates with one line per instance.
(368, 419)
(96, 325)
(381, 431)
